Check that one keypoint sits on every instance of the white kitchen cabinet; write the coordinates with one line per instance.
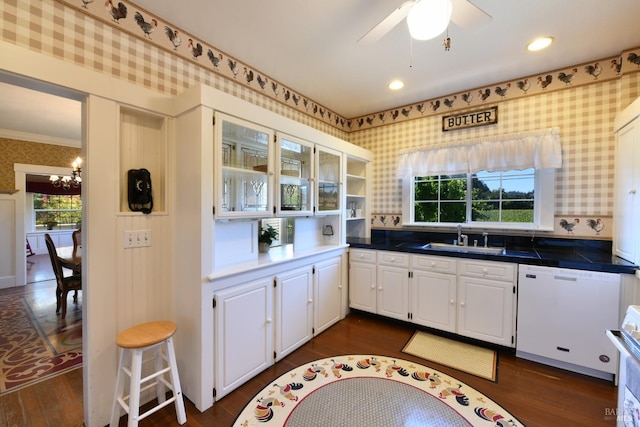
(362, 279)
(487, 301)
(294, 310)
(327, 293)
(434, 292)
(328, 181)
(295, 175)
(357, 219)
(472, 298)
(626, 212)
(243, 327)
(242, 159)
(228, 171)
(392, 299)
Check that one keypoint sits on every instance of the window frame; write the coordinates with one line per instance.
(543, 207)
(56, 212)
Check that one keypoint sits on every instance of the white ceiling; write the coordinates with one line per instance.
(311, 47)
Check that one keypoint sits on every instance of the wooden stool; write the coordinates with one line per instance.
(134, 342)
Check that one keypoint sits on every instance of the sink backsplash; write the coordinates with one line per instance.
(575, 226)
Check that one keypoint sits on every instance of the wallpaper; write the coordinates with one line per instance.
(31, 153)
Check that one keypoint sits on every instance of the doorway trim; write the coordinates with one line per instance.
(21, 170)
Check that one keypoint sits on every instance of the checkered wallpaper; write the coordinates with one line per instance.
(584, 113)
(52, 28)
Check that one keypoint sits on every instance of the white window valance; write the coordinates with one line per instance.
(539, 149)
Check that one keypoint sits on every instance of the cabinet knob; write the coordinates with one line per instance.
(485, 271)
(269, 320)
(380, 288)
(451, 302)
(373, 286)
(393, 259)
(632, 191)
(462, 304)
(310, 301)
(433, 264)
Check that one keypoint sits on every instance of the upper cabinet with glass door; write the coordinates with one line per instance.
(242, 165)
(329, 181)
(294, 194)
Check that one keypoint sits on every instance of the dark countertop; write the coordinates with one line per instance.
(593, 255)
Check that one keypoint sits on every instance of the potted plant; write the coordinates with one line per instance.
(51, 223)
(266, 237)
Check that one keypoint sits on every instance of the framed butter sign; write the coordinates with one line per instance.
(470, 119)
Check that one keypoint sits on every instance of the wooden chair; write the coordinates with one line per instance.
(65, 284)
(29, 252)
(77, 240)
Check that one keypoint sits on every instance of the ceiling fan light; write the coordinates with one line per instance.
(428, 19)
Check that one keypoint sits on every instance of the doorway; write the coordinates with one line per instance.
(30, 138)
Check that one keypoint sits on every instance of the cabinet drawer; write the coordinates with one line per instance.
(438, 264)
(488, 270)
(362, 255)
(398, 259)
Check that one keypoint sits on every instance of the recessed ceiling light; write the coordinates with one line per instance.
(540, 43)
(396, 84)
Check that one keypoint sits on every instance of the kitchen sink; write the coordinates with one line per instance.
(457, 248)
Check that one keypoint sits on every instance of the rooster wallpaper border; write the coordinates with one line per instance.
(138, 22)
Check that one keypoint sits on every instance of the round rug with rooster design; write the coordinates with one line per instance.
(370, 391)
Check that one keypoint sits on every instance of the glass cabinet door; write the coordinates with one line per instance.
(242, 168)
(294, 195)
(329, 179)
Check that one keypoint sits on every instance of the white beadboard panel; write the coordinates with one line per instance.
(7, 234)
(144, 292)
(143, 144)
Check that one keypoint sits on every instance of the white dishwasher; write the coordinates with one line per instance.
(563, 316)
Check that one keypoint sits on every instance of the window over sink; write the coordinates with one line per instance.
(514, 199)
(501, 182)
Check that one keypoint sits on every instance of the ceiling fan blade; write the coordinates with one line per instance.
(387, 24)
(468, 16)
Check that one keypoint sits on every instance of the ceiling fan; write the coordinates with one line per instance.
(463, 13)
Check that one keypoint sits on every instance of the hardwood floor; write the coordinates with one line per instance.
(537, 395)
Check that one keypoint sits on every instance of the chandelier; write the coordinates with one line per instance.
(66, 181)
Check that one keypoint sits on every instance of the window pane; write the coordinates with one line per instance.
(426, 212)
(453, 212)
(453, 189)
(426, 188)
(517, 211)
(485, 211)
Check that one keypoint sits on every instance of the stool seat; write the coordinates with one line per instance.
(156, 337)
(146, 334)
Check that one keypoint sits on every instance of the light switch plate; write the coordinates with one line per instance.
(137, 238)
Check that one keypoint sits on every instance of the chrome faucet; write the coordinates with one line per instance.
(463, 239)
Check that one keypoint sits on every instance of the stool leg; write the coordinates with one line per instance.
(115, 409)
(175, 382)
(161, 391)
(134, 393)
